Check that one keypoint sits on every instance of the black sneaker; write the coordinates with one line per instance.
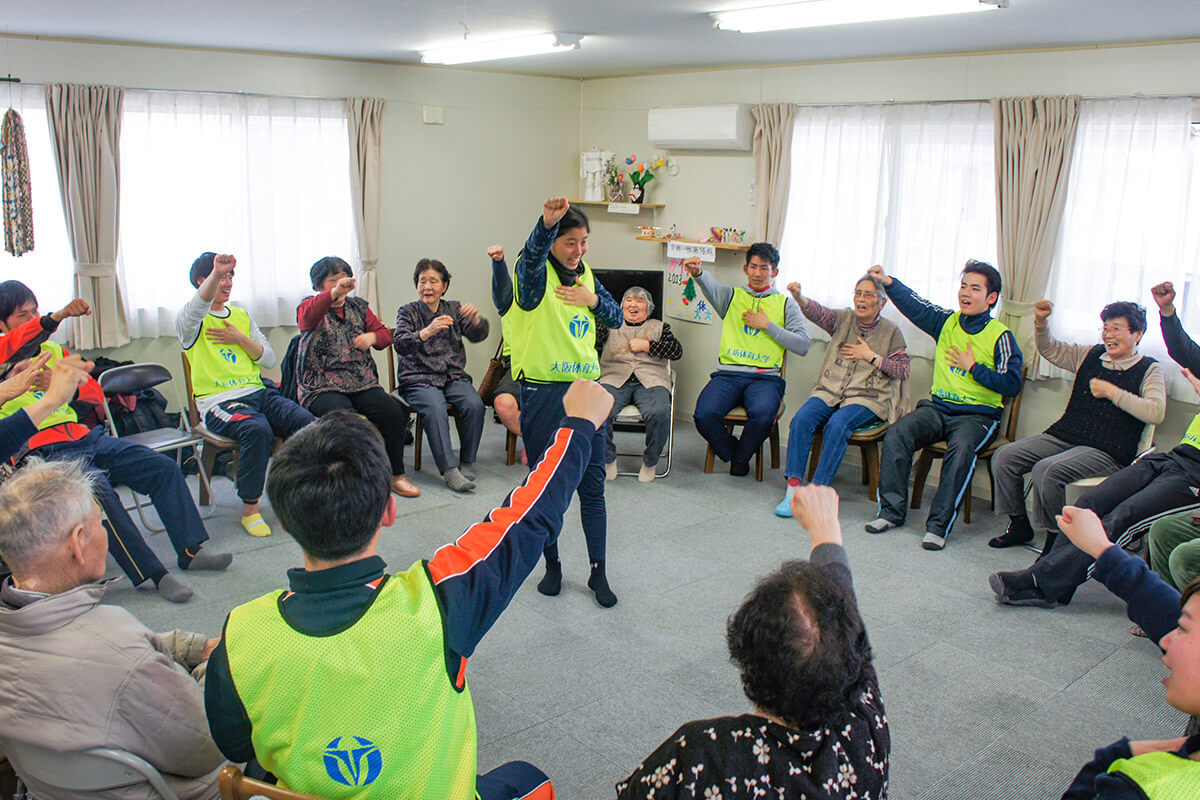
(1018, 589)
(739, 468)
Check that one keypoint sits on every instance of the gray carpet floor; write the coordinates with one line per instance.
(984, 701)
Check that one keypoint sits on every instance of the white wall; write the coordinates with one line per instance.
(448, 190)
(714, 189)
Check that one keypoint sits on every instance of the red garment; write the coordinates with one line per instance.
(90, 392)
(312, 310)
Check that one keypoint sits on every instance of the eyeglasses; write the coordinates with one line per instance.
(1114, 329)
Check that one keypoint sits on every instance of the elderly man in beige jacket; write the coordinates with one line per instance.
(77, 674)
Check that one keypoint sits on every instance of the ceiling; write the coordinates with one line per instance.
(622, 36)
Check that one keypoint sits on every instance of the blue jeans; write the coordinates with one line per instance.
(255, 420)
(839, 421)
(760, 394)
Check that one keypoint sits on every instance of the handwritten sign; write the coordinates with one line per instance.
(684, 299)
(684, 250)
(624, 208)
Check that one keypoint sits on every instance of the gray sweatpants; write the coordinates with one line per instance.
(1051, 464)
(654, 403)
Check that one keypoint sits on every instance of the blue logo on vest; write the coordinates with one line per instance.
(580, 326)
(228, 355)
(750, 331)
(353, 761)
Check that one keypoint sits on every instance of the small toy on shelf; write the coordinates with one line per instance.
(725, 236)
(673, 233)
(640, 177)
(648, 230)
(614, 181)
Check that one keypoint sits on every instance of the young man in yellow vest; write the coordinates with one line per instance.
(226, 351)
(759, 325)
(352, 683)
(551, 328)
(1129, 501)
(976, 365)
(63, 435)
(1161, 769)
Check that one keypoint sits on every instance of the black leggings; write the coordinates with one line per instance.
(383, 410)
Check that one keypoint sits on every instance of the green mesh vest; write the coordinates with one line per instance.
(219, 367)
(954, 385)
(1162, 776)
(1191, 436)
(366, 713)
(746, 346)
(555, 342)
(60, 415)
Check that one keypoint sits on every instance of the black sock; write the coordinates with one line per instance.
(1019, 532)
(551, 583)
(598, 583)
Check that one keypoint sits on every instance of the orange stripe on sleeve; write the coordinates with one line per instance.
(478, 541)
(544, 791)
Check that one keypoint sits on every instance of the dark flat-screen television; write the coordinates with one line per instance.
(618, 280)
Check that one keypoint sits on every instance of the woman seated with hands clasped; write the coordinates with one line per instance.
(431, 372)
(334, 369)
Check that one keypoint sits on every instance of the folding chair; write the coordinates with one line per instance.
(94, 770)
(131, 379)
(630, 421)
(236, 786)
(1008, 421)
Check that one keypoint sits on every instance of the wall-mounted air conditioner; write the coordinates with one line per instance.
(727, 127)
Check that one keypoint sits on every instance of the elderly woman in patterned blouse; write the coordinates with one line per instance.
(431, 372)
(334, 368)
(819, 728)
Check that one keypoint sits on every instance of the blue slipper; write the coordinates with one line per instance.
(784, 509)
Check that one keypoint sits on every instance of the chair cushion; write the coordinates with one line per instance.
(630, 414)
(163, 438)
(738, 413)
(214, 438)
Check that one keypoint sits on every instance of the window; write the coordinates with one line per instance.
(911, 187)
(49, 268)
(264, 178)
(1131, 220)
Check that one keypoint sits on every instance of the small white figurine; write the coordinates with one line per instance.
(591, 169)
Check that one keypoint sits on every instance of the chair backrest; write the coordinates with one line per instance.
(193, 413)
(84, 770)
(236, 786)
(130, 379)
(1012, 408)
(1146, 443)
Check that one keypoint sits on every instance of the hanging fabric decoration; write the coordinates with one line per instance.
(18, 199)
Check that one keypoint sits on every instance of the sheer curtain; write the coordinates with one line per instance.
(911, 187)
(264, 178)
(49, 268)
(1132, 220)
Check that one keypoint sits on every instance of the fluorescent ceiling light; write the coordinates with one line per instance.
(493, 49)
(818, 13)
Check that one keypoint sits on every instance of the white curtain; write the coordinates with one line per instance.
(364, 116)
(1132, 220)
(773, 126)
(263, 178)
(911, 187)
(48, 269)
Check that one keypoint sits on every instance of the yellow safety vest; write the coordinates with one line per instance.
(954, 385)
(63, 413)
(367, 713)
(1162, 776)
(555, 342)
(219, 367)
(746, 346)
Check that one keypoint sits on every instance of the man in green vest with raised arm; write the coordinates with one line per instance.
(977, 364)
(759, 325)
(352, 683)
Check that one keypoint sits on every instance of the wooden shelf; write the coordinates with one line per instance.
(718, 245)
(606, 203)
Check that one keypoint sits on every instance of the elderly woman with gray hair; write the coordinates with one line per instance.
(859, 383)
(633, 367)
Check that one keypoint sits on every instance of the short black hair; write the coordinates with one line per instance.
(800, 644)
(329, 265)
(330, 483)
(201, 268)
(574, 218)
(1133, 314)
(990, 274)
(13, 295)
(431, 264)
(1189, 591)
(764, 250)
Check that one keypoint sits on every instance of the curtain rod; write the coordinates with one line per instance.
(989, 99)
